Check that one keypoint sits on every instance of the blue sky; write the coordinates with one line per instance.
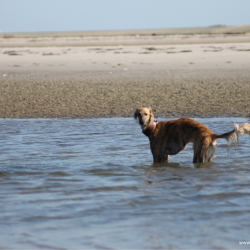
(83, 15)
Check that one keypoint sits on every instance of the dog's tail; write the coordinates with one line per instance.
(234, 135)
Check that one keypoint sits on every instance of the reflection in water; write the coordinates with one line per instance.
(91, 183)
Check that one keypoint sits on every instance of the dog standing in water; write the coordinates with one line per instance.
(169, 138)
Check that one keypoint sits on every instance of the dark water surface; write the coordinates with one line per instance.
(90, 183)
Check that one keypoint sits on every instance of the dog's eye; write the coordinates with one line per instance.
(145, 114)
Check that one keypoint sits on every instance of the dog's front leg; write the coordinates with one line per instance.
(165, 158)
(160, 157)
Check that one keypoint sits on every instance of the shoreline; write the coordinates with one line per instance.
(171, 36)
(217, 29)
(118, 96)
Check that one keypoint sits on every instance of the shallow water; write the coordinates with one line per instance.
(90, 183)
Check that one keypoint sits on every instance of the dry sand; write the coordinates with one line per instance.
(191, 80)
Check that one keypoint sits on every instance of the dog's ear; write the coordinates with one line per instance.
(151, 110)
(136, 113)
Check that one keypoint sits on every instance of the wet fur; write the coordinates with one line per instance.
(169, 138)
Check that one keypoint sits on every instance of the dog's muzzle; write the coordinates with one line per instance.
(141, 122)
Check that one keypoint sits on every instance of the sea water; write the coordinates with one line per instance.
(92, 184)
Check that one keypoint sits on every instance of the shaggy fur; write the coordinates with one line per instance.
(169, 138)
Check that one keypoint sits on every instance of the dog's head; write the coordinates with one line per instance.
(145, 117)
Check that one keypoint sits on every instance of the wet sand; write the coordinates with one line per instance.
(191, 80)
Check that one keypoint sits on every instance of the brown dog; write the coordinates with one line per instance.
(169, 138)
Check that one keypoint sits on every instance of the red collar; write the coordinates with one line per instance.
(150, 128)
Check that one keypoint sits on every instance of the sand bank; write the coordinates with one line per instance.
(106, 81)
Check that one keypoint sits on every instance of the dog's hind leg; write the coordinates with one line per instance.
(203, 151)
(197, 156)
(209, 155)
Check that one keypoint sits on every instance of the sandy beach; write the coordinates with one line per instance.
(107, 76)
